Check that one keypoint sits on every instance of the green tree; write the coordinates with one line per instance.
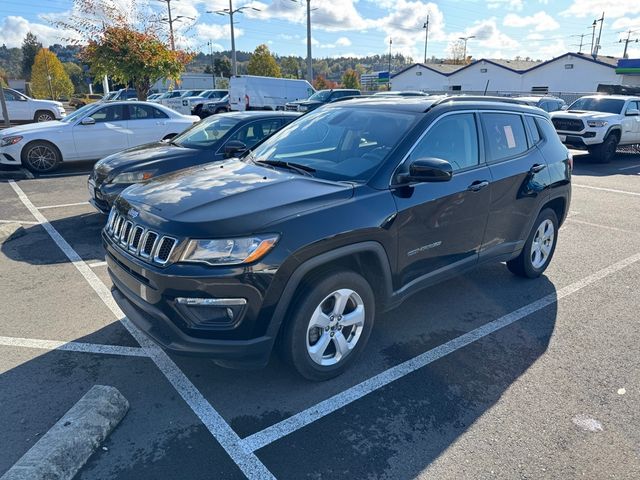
(350, 79)
(77, 76)
(263, 63)
(222, 66)
(30, 47)
(48, 78)
(4, 81)
(132, 57)
(290, 67)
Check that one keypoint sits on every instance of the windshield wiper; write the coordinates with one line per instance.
(297, 167)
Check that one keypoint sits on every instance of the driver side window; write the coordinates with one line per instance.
(453, 138)
(112, 113)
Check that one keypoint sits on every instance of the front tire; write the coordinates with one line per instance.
(606, 151)
(43, 116)
(330, 325)
(41, 157)
(539, 248)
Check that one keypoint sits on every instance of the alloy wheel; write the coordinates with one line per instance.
(542, 244)
(41, 158)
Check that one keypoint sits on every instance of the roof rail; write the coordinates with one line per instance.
(478, 98)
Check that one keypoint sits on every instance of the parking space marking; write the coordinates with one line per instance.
(615, 229)
(62, 205)
(247, 461)
(24, 222)
(613, 190)
(629, 168)
(299, 420)
(97, 264)
(73, 346)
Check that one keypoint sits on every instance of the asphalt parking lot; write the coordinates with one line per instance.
(484, 376)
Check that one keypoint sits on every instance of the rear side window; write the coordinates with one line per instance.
(505, 135)
(145, 112)
(533, 129)
(453, 138)
(546, 129)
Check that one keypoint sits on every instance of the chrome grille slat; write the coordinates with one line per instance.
(146, 244)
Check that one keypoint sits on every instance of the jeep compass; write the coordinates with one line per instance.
(340, 215)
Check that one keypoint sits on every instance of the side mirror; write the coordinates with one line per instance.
(427, 170)
(633, 112)
(564, 108)
(87, 121)
(234, 148)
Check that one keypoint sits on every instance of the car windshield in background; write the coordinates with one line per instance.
(81, 112)
(341, 144)
(605, 105)
(320, 96)
(204, 134)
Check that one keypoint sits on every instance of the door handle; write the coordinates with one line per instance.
(478, 185)
(537, 168)
(161, 123)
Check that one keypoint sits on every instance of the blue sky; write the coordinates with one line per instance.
(539, 29)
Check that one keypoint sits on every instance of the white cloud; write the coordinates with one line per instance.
(594, 8)
(343, 42)
(540, 22)
(487, 36)
(14, 28)
(516, 5)
(626, 22)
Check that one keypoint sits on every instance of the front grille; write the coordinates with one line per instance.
(146, 244)
(291, 108)
(568, 124)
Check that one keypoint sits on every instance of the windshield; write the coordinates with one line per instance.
(205, 94)
(206, 133)
(78, 114)
(598, 104)
(320, 96)
(342, 144)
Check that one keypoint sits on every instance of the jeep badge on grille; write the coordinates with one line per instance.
(133, 213)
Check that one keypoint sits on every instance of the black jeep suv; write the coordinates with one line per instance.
(343, 213)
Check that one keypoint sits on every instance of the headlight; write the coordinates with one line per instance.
(6, 141)
(233, 251)
(302, 108)
(597, 123)
(132, 177)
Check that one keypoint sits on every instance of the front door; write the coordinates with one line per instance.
(441, 225)
(17, 107)
(108, 135)
(631, 124)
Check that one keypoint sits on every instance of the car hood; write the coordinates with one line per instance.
(228, 198)
(46, 103)
(33, 127)
(143, 156)
(309, 102)
(583, 114)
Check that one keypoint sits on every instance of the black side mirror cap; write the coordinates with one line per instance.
(427, 170)
(234, 148)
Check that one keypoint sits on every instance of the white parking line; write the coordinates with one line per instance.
(613, 190)
(598, 225)
(629, 168)
(23, 222)
(275, 432)
(63, 205)
(97, 264)
(73, 346)
(217, 426)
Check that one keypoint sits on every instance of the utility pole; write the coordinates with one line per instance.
(389, 82)
(309, 60)
(593, 34)
(3, 105)
(596, 47)
(426, 38)
(213, 71)
(231, 12)
(465, 40)
(170, 20)
(627, 41)
(582, 35)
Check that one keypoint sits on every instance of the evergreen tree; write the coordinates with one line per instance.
(30, 47)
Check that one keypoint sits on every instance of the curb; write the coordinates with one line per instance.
(17, 174)
(66, 447)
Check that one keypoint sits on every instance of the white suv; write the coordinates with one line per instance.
(23, 109)
(600, 123)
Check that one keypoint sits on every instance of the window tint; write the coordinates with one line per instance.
(9, 96)
(453, 138)
(505, 135)
(112, 113)
(546, 128)
(533, 129)
(633, 106)
(253, 132)
(145, 112)
(206, 133)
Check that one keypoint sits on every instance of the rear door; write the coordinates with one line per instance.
(108, 135)
(520, 177)
(146, 123)
(441, 225)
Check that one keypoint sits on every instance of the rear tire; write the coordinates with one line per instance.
(606, 151)
(539, 248)
(41, 157)
(330, 325)
(43, 116)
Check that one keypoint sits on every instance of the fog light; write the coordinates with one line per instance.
(211, 301)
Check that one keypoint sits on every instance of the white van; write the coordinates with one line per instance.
(249, 92)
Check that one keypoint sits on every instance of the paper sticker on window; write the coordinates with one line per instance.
(508, 133)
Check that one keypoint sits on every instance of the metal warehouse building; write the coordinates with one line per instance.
(571, 72)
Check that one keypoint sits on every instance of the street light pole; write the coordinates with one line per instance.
(309, 60)
(426, 38)
(213, 72)
(465, 39)
(389, 82)
(170, 19)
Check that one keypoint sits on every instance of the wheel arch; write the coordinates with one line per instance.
(43, 110)
(24, 150)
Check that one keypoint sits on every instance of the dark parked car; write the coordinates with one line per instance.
(320, 98)
(219, 106)
(207, 141)
(340, 215)
(546, 103)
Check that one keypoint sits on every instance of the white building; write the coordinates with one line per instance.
(571, 72)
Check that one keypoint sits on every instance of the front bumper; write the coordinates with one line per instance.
(583, 139)
(102, 196)
(148, 296)
(11, 155)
